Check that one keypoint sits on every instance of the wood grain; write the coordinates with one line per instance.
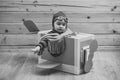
(106, 67)
(102, 28)
(29, 48)
(90, 16)
(67, 6)
(31, 39)
(55, 5)
(17, 17)
(68, 2)
(12, 67)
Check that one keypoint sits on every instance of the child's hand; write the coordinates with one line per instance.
(36, 50)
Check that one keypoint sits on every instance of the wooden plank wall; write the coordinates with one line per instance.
(100, 17)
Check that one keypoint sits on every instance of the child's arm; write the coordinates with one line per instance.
(43, 43)
(40, 47)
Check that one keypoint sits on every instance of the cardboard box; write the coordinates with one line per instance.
(77, 57)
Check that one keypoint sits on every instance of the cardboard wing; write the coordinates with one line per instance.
(31, 26)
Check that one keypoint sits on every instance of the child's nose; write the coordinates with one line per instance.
(61, 26)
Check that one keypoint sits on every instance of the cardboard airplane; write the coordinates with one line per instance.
(77, 57)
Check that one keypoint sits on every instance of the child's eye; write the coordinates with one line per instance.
(63, 24)
(58, 23)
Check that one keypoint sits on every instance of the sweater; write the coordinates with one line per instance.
(54, 41)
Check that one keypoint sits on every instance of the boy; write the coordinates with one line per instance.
(56, 35)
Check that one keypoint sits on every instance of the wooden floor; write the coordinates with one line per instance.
(21, 65)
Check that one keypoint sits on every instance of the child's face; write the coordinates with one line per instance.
(60, 26)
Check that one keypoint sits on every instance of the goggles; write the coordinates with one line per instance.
(62, 18)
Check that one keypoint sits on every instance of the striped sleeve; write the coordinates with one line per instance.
(43, 43)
